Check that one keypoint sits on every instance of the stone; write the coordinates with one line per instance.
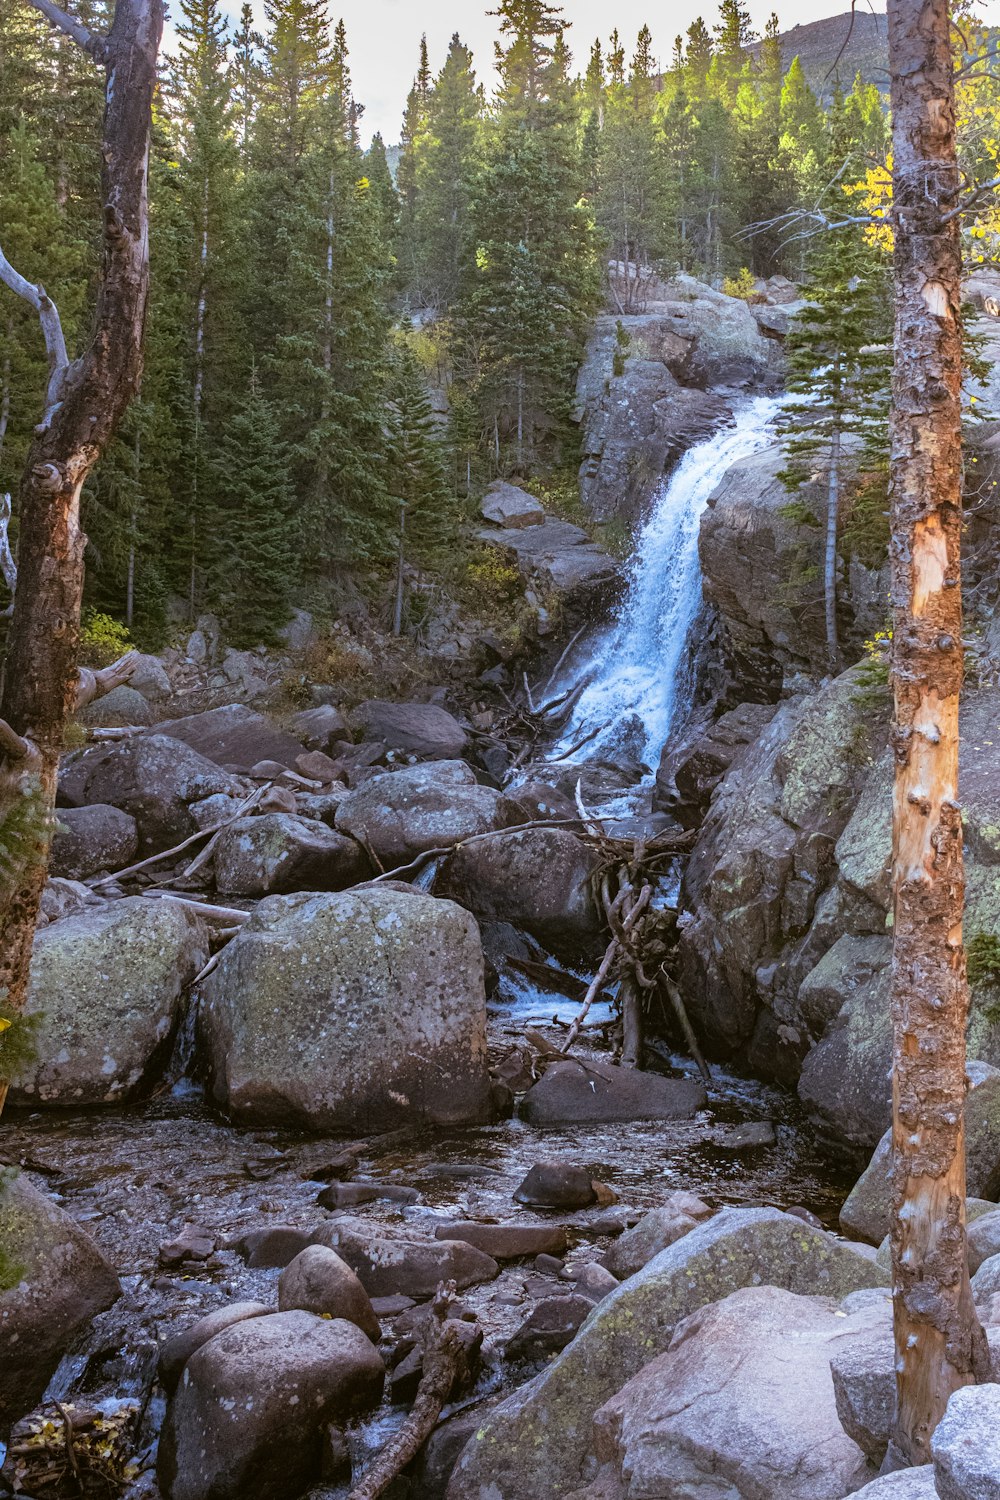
(155, 779)
(424, 729)
(537, 880)
(753, 1136)
(300, 632)
(741, 1405)
(351, 1194)
(192, 1243)
(537, 802)
(359, 1011)
(92, 839)
(550, 1326)
(107, 987)
(122, 707)
(865, 1214)
(593, 1281)
(278, 852)
(320, 727)
(390, 1261)
(317, 766)
(278, 1245)
(556, 1184)
(234, 735)
(318, 1281)
(214, 811)
(864, 1384)
(507, 505)
(197, 647)
(53, 1281)
(661, 1227)
(985, 1286)
(65, 898)
(248, 1417)
(568, 1094)
(178, 1349)
(966, 1445)
(694, 762)
(983, 1240)
(551, 1417)
(560, 558)
(149, 677)
(400, 814)
(507, 1241)
(905, 1484)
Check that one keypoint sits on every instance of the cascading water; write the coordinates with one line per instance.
(635, 671)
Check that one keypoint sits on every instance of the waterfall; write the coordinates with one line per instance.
(636, 669)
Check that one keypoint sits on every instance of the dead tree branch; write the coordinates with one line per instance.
(96, 46)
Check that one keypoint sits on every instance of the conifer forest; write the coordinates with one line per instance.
(499, 752)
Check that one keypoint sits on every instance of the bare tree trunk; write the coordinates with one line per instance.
(85, 402)
(830, 560)
(5, 387)
(397, 617)
(939, 1343)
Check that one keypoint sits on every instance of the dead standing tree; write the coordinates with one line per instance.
(85, 400)
(939, 1343)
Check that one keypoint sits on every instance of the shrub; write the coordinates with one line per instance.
(742, 286)
(102, 640)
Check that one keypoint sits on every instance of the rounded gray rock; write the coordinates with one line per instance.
(318, 1281)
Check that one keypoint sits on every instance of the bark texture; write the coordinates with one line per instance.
(86, 400)
(939, 1343)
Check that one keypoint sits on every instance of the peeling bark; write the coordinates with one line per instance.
(939, 1343)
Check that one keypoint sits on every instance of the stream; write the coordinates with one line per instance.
(134, 1177)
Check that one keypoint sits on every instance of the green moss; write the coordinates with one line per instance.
(18, 1040)
(982, 953)
(11, 1271)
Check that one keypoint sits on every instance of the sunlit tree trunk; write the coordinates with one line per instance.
(939, 1343)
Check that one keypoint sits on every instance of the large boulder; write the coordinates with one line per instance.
(155, 780)
(107, 988)
(123, 706)
(318, 1281)
(560, 558)
(966, 1445)
(391, 1260)
(569, 1093)
(53, 1280)
(404, 813)
(551, 1417)
(661, 1227)
(537, 879)
(741, 1405)
(507, 505)
(234, 735)
(282, 852)
(90, 839)
(251, 1411)
(356, 1012)
(423, 729)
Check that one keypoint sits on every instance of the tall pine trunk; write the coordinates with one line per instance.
(939, 1343)
(830, 557)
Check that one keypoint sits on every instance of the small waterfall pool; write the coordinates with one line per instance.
(636, 669)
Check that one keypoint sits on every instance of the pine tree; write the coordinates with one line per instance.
(417, 482)
(246, 74)
(446, 166)
(630, 206)
(411, 142)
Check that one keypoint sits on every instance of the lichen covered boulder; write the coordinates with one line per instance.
(404, 813)
(280, 852)
(354, 1011)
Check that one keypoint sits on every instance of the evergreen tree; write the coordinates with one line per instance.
(446, 167)
(411, 141)
(417, 482)
(247, 78)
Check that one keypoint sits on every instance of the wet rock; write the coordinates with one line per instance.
(537, 879)
(192, 1243)
(568, 1094)
(107, 987)
(549, 1327)
(966, 1445)
(866, 1211)
(177, 1350)
(359, 1011)
(90, 839)
(423, 729)
(390, 1261)
(506, 505)
(661, 1227)
(120, 708)
(742, 1405)
(282, 852)
(556, 1184)
(594, 1281)
(692, 766)
(320, 727)
(155, 779)
(53, 1280)
(507, 1241)
(351, 1194)
(234, 735)
(278, 1245)
(403, 813)
(750, 1137)
(551, 1417)
(247, 1420)
(318, 1281)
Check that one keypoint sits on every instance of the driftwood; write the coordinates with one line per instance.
(211, 833)
(450, 1347)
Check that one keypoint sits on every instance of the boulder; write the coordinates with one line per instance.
(568, 1094)
(123, 706)
(391, 1261)
(693, 763)
(149, 677)
(507, 505)
(864, 1383)
(865, 1215)
(966, 1445)
(661, 1227)
(282, 852)
(107, 987)
(300, 632)
(507, 1241)
(985, 1286)
(178, 1349)
(550, 1326)
(423, 729)
(155, 779)
(65, 898)
(249, 1415)
(741, 1405)
(983, 1240)
(90, 839)
(234, 735)
(321, 727)
(278, 1245)
(400, 814)
(550, 1418)
(358, 1012)
(561, 558)
(53, 1280)
(318, 1281)
(905, 1484)
(537, 879)
(556, 1184)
